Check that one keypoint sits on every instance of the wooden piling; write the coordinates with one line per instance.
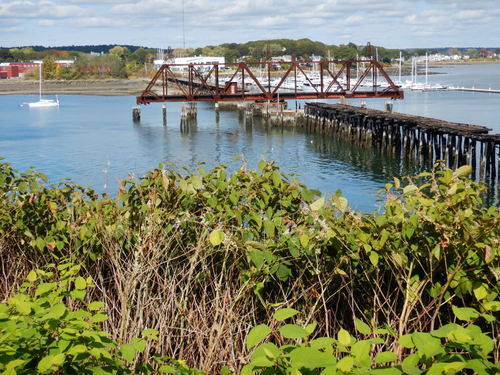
(409, 137)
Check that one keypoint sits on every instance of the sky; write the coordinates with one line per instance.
(159, 23)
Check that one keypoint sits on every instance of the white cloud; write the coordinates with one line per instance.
(352, 20)
(39, 9)
(392, 23)
(476, 15)
(48, 23)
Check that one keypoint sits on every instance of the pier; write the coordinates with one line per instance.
(473, 89)
(413, 137)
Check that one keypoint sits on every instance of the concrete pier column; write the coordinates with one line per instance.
(136, 114)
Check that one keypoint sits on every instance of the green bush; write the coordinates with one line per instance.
(49, 328)
(209, 253)
(449, 350)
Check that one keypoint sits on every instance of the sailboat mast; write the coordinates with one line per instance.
(416, 71)
(40, 81)
(400, 63)
(426, 66)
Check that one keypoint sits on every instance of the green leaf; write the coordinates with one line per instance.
(322, 342)
(99, 317)
(216, 237)
(409, 189)
(463, 171)
(406, 342)
(283, 272)
(361, 351)
(492, 306)
(31, 276)
(96, 305)
(78, 294)
(465, 313)
(340, 202)
(284, 314)
(58, 310)
(256, 335)
(40, 243)
(44, 288)
(426, 344)
(310, 358)
(77, 349)
(269, 227)
(265, 354)
(293, 331)
(385, 357)
(225, 370)
(373, 258)
(480, 292)
(262, 164)
(128, 352)
(387, 371)
(311, 327)
(345, 364)
(47, 363)
(257, 257)
(167, 370)
(80, 283)
(362, 327)
(344, 337)
(318, 204)
(445, 330)
(304, 240)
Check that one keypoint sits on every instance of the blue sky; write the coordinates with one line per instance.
(158, 23)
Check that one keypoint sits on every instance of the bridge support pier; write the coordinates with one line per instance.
(136, 114)
(164, 113)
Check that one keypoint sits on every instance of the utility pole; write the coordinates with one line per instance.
(183, 28)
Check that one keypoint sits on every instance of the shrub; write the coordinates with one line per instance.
(202, 256)
(451, 349)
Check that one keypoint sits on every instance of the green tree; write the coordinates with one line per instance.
(49, 67)
(473, 53)
(120, 52)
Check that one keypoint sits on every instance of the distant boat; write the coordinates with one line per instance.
(43, 103)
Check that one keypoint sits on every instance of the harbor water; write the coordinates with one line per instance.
(93, 141)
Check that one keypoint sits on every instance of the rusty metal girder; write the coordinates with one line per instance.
(204, 82)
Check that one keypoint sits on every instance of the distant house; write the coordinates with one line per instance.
(195, 60)
(65, 63)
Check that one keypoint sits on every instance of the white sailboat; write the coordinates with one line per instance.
(43, 103)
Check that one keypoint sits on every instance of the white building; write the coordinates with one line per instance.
(195, 60)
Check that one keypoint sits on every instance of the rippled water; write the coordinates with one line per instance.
(93, 141)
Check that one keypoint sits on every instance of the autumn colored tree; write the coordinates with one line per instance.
(49, 67)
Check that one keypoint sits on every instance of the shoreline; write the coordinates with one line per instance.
(99, 87)
(134, 87)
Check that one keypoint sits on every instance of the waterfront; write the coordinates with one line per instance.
(93, 141)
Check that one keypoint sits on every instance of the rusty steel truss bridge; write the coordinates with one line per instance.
(260, 82)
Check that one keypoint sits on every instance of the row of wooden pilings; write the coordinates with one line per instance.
(420, 138)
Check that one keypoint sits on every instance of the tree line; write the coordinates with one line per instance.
(128, 61)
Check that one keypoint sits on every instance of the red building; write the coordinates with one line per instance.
(9, 71)
(25, 67)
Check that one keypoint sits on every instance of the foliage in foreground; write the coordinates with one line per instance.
(204, 256)
(49, 328)
(451, 349)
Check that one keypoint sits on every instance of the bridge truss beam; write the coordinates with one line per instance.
(249, 81)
